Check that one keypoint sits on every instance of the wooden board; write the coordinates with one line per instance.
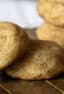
(11, 86)
(54, 86)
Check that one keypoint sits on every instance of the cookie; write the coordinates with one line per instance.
(51, 33)
(43, 61)
(51, 12)
(13, 43)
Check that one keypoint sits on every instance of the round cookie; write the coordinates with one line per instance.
(51, 12)
(51, 33)
(43, 61)
(13, 43)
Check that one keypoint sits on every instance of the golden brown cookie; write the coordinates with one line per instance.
(51, 12)
(51, 33)
(43, 61)
(13, 43)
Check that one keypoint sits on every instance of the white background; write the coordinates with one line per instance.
(22, 12)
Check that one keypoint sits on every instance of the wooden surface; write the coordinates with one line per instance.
(54, 86)
(11, 86)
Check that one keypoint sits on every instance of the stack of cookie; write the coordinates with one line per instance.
(23, 58)
(53, 13)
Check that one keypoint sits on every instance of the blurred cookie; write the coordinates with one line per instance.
(43, 61)
(51, 33)
(51, 12)
(13, 43)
